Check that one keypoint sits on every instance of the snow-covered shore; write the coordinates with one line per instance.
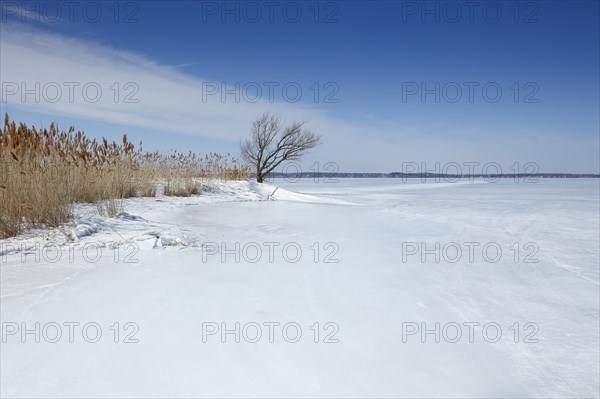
(324, 286)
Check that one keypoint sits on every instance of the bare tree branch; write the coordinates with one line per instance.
(268, 146)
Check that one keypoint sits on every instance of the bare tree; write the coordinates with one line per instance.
(269, 145)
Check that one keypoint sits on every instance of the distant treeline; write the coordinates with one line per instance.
(329, 175)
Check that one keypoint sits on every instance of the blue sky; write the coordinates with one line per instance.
(361, 67)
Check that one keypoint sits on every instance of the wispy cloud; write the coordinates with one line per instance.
(166, 98)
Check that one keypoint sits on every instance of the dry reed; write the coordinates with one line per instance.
(43, 172)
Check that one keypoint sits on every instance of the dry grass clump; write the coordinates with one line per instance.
(43, 172)
(110, 207)
(181, 188)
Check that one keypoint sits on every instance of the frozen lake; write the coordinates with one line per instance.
(361, 287)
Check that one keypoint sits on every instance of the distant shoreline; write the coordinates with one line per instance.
(396, 175)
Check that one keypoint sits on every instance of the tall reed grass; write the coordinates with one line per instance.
(43, 172)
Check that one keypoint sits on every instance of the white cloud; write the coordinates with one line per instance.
(169, 100)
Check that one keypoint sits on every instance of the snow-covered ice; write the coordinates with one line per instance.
(175, 272)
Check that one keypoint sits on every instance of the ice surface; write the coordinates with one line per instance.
(168, 265)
